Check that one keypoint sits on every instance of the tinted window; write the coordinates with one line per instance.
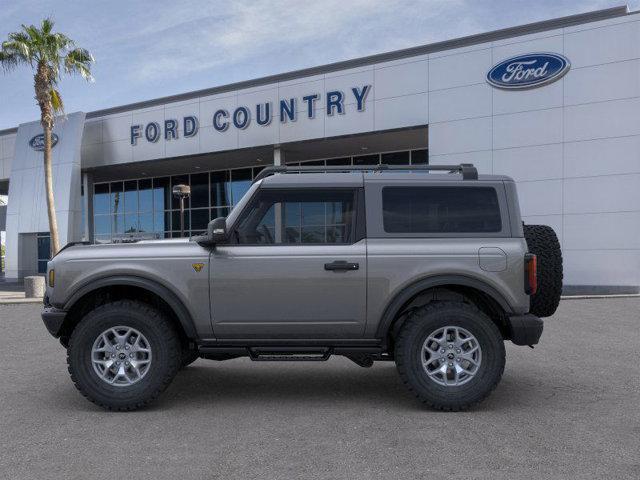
(294, 216)
(440, 210)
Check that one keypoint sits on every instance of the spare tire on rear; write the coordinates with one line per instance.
(543, 242)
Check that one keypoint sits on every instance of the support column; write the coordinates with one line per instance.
(87, 205)
(278, 155)
(278, 159)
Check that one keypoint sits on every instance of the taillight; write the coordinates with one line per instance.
(530, 274)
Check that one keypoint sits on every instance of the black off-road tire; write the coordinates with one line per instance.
(425, 321)
(163, 340)
(543, 242)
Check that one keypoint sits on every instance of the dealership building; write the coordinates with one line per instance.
(553, 104)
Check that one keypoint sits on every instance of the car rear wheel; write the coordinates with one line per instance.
(450, 355)
(123, 354)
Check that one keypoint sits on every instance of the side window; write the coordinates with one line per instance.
(440, 210)
(312, 216)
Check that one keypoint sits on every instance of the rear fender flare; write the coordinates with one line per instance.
(394, 307)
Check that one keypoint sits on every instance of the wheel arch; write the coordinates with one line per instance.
(108, 288)
(490, 300)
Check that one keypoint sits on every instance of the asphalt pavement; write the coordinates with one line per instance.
(570, 408)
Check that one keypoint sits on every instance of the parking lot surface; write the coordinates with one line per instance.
(568, 409)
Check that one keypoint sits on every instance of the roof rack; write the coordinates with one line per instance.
(468, 171)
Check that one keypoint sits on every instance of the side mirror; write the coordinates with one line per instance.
(216, 233)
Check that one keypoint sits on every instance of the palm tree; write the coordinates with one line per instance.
(47, 53)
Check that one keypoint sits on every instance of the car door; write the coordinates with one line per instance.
(295, 267)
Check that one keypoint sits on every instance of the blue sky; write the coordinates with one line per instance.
(149, 49)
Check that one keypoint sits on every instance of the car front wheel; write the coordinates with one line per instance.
(123, 354)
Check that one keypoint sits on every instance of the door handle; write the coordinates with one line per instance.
(340, 265)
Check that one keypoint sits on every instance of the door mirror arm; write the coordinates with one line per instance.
(216, 233)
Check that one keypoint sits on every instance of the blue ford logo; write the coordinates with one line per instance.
(528, 71)
(37, 142)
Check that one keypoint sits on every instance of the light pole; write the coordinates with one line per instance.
(181, 192)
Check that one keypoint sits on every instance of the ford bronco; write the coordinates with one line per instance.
(427, 266)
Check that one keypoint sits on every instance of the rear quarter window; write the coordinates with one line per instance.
(441, 209)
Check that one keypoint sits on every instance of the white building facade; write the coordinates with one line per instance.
(571, 139)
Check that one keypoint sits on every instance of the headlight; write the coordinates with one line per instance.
(52, 277)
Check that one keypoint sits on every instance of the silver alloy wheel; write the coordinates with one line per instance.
(451, 356)
(121, 356)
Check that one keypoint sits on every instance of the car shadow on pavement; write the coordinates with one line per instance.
(277, 384)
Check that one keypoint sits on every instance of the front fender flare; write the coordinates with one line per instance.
(178, 307)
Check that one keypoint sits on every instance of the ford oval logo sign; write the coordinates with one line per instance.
(37, 142)
(528, 71)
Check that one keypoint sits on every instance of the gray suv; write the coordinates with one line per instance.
(432, 270)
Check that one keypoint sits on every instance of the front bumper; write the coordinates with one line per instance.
(525, 329)
(53, 319)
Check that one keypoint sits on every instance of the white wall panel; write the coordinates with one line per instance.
(601, 267)
(117, 127)
(212, 140)
(598, 83)
(604, 156)
(255, 135)
(304, 128)
(460, 136)
(403, 79)
(345, 82)
(543, 197)
(539, 162)
(301, 89)
(602, 231)
(398, 112)
(352, 121)
(611, 193)
(459, 70)
(603, 45)
(117, 152)
(513, 101)
(460, 103)
(527, 128)
(92, 133)
(600, 120)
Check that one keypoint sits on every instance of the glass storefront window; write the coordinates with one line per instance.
(101, 199)
(145, 208)
(419, 157)
(240, 183)
(161, 194)
(395, 158)
(200, 190)
(117, 190)
(131, 196)
(220, 189)
(145, 195)
(367, 160)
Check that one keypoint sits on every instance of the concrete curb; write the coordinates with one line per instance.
(585, 297)
(14, 301)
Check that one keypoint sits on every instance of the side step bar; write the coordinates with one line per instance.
(300, 354)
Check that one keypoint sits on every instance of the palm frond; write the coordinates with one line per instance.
(56, 101)
(79, 60)
(47, 25)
